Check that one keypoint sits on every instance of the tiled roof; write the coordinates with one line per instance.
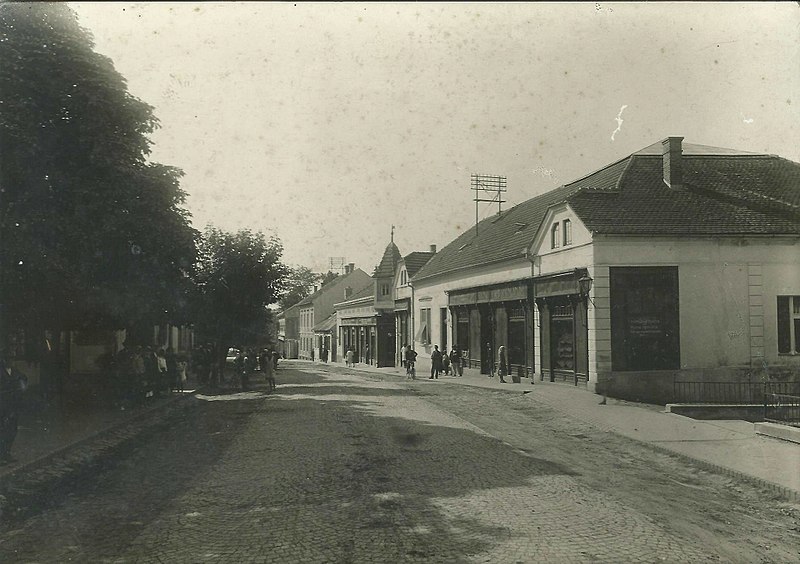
(726, 192)
(335, 282)
(500, 237)
(388, 264)
(416, 260)
(723, 195)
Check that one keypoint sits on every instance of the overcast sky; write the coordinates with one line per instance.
(325, 124)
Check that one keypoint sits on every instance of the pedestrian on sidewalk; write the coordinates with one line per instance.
(490, 359)
(12, 385)
(455, 362)
(403, 350)
(411, 358)
(445, 361)
(183, 366)
(348, 357)
(269, 373)
(436, 362)
(502, 363)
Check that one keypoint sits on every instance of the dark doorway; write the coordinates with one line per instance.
(487, 340)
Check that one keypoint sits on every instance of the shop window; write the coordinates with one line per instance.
(567, 232)
(644, 318)
(555, 241)
(462, 330)
(516, 335)
(789, 324)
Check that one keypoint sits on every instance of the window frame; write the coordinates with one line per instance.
(555, 235)
(567, 232)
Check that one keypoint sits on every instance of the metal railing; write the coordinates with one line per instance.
(783, 409)
(731, 393)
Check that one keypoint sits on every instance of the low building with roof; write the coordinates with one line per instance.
(679, 262)
(318, 306)
(357, 326)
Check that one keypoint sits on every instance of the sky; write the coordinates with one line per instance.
(324, 124)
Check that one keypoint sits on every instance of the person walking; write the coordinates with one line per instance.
(436, 362)
(455, 362)
(269, 373)
(490, 359)
(183, 367)
(12, 385)
(502, 363)
(445, 362)
(411, 358)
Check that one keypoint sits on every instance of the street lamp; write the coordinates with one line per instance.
(585, 284)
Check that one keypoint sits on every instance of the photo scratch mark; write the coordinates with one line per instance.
(619, 121)
(746, 120)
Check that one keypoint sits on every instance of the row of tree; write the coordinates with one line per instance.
(92, 233)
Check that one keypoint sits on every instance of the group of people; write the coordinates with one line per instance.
(248, 361)
(444, 363)
(146, 371)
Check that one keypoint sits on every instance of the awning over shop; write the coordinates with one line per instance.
(562, 284)
(422, 333)
(326, 326)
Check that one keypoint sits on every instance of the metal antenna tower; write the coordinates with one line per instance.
(336, 264)
(485, 184)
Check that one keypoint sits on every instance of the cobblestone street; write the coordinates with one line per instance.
(338, 466)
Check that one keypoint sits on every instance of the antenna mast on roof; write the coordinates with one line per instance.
(482, 185)
(336, 264)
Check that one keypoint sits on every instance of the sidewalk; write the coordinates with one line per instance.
(730, 447)
(45, 430)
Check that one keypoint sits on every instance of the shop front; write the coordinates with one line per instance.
(360, 335)
(486, 317)
(562, 302)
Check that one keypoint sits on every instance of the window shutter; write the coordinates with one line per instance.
(784, 331)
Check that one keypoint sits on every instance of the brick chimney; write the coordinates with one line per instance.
(348, 268)
(433, 249)
(672, 159)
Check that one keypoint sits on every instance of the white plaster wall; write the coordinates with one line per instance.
(715, 280)
(431, 294)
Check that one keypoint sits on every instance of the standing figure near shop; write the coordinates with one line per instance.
(348, 357)
(490, 357)
(436, 362)
(502, 363)
(455, 362)
(403, 350)
(12, 385)
(445, 361)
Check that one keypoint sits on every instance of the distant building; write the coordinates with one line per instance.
(318, 307)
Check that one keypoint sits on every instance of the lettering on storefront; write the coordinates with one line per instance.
(644, 326)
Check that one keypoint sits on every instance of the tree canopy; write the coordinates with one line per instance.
(93, 234)
(238, 276)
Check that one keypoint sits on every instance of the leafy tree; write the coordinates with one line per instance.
(238, 276)
(93, 234)
(300, 282)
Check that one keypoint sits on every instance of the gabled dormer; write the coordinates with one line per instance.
(560, 230)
